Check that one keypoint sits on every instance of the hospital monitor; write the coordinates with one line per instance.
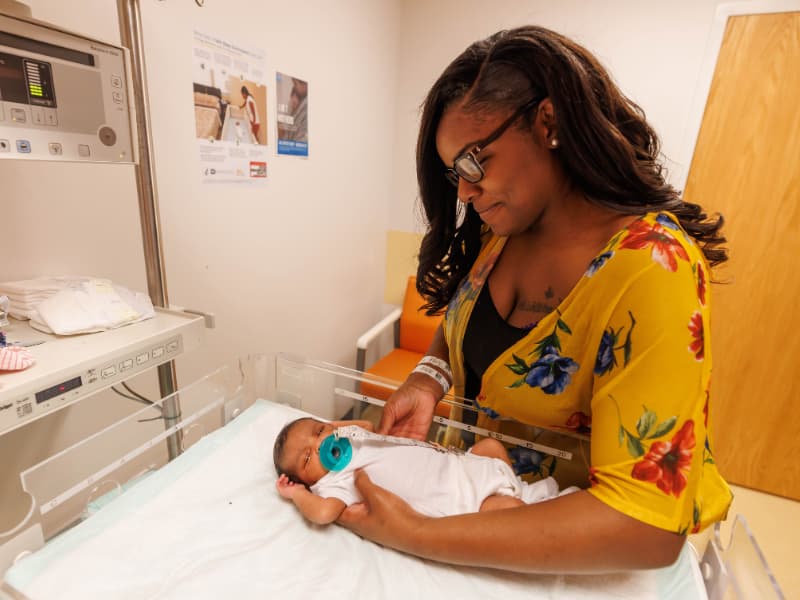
(63, 97)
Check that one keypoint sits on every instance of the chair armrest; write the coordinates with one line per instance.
(373, 332)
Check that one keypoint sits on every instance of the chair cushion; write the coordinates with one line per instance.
(395, 366)
(416, 328)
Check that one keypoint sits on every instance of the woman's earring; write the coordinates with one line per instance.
(554, 143)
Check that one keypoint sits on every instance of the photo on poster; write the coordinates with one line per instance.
(230, 110)
(292, 114)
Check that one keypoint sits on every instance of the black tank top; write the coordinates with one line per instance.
(487, 336)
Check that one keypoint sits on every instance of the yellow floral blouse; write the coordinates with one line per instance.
(625, 359)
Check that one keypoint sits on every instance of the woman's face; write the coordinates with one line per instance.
(520, 174)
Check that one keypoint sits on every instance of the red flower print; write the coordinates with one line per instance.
(593, 481)
(696, 329)
(668, 463)
(579, 422)
(701, 284)
(664, 247)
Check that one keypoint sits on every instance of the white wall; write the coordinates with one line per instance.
(654, 51)
(297, 265)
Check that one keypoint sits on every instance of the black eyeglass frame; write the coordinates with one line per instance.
(454, 173)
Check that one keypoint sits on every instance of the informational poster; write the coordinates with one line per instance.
(230, 110)
(292, 98)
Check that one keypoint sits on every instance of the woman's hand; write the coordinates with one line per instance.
(409, 410)
(382, 516)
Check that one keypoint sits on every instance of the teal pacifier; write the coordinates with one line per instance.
(335, 453)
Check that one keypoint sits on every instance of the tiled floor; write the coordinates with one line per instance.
(775, 523)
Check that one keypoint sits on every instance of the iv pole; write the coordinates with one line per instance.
(130, 30)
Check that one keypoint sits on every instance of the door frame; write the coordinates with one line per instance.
(709, 65)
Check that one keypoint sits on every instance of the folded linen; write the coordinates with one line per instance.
(75, 304)
(97, 305)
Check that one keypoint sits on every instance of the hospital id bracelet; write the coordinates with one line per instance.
(439, 364)
(430, 372)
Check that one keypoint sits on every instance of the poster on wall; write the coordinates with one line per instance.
(230, 110)
(291, 94)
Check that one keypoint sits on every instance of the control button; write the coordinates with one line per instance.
(107, 135)
(18, 115)
(142, 358)
(158, 352)
(55, 149)
(84, 150)
(117, 96)
(37, 115)
(126, 364)
(51, 116)
(172, 346)
(24, 146)
(109, 371)
(5, 146)
(116, 81)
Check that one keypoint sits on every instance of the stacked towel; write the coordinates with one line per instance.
(74, 304)
(25, 295)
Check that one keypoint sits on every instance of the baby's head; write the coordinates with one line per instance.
(296, 450)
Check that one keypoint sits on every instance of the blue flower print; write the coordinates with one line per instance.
(552, 372)
(527, 460)
(665, 221)
(597, 262)
(605, 354)
(492, 414)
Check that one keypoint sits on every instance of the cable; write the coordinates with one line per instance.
(140, 399)
(137, 394)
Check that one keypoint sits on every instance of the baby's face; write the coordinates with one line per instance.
(302, 449)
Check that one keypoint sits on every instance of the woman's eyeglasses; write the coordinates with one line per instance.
(466, 166)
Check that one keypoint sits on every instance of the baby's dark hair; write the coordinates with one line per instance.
(278, 450)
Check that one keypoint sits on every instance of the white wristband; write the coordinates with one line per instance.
(438, 363)
(440, 379)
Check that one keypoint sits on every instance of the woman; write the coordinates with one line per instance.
(575, 282)
(250, 107)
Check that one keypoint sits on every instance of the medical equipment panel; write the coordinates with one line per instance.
(62, 96)
(69, 368)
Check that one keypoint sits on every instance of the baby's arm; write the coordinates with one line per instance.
(317, 510)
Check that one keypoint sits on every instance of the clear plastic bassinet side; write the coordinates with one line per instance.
(737, 570)
(71, 485)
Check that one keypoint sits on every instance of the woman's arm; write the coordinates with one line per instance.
(314, 508)
(409, 410)
(575, 533)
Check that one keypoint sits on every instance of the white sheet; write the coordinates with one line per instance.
(211, 525)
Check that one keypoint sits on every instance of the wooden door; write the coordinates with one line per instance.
(746, 166)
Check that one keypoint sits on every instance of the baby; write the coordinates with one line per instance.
(435, 482)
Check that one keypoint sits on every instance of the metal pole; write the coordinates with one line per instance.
(130, 31)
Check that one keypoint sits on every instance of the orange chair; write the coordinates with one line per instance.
(413, 333)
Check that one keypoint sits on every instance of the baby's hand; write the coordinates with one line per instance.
(286, 487)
